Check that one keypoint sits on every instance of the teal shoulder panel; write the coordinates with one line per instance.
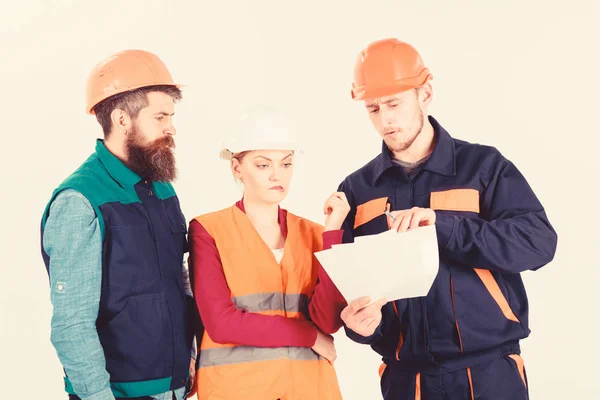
(164, 190)
(93, 181)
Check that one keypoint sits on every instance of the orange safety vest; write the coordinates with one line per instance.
(259, 284)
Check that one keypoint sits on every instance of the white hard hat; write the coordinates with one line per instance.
(261, 128)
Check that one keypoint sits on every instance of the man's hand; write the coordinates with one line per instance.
(413, 218)
(363, 321)
(324, 347)
(192, 377)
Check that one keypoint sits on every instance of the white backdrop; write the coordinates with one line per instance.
(521, 76)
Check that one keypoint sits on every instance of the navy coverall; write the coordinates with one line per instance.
(461, 341)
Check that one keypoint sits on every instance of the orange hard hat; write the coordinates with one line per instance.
(386, 67)
(124, 71)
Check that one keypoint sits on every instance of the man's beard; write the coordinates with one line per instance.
(399, 147)
(155, 161)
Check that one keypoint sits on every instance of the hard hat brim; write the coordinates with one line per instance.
(90, 110)
(369, 92)
(227, 154)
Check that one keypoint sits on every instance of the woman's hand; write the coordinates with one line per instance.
(324, 347)
(336, 208)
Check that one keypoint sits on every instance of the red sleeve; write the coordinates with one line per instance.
(224, 322)
(327, 302)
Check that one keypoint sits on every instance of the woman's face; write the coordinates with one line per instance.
(266, 174)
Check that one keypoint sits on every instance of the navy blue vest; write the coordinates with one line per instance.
(143, 322)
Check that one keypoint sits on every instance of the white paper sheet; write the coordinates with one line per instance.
(390, 264)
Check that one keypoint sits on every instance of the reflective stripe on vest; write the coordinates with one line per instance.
(272, 302)
(258, 303)
(241, 354)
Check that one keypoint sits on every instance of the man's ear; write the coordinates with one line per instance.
(121, 121)
(425, 94)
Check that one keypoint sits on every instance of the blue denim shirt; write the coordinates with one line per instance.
(72, 238)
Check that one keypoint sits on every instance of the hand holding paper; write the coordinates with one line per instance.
(363, 315)
(413, 218)
(391, 265)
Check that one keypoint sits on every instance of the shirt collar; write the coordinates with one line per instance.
(442, 160)
(115, 167)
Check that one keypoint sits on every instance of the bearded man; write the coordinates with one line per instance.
(113, 240)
